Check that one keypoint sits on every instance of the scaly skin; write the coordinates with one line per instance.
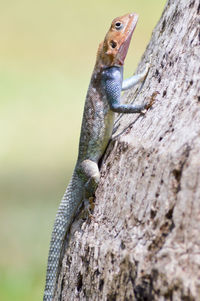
(102, 100)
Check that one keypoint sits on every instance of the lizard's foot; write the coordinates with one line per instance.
(152, 100)
(88, 208)
(92, 204)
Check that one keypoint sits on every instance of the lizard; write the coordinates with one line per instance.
(102, 101)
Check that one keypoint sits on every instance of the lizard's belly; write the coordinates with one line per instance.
(106, 131)
(97, 125)
(96, 132)
(102, 132)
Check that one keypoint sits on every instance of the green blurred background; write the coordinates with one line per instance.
(47, 54)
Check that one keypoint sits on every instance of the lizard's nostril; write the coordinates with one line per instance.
(131, 15)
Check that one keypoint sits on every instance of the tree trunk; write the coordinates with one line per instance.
(142, 241)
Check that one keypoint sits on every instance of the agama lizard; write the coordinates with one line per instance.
(102, 100)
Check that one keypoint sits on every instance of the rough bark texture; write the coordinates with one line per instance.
(143, 240)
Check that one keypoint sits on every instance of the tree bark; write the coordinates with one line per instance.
(142, 241)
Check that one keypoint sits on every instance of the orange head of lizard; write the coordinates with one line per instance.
(112, 51)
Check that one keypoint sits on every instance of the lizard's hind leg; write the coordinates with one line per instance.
(91, 174)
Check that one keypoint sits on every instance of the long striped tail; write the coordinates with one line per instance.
(67, 209)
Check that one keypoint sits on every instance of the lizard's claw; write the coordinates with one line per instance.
(146, 71)
(152, 99)
(91, 204)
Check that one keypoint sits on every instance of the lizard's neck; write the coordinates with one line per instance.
(103, 60)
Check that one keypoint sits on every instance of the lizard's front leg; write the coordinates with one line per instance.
(135, 79)
(112, 85)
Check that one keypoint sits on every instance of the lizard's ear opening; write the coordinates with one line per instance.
(113, 44)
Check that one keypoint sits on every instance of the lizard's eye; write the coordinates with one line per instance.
(113, 44)
(118, 25)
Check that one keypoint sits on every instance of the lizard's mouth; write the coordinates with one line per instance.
(128, 35)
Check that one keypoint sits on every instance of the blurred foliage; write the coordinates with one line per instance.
(47, 55)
